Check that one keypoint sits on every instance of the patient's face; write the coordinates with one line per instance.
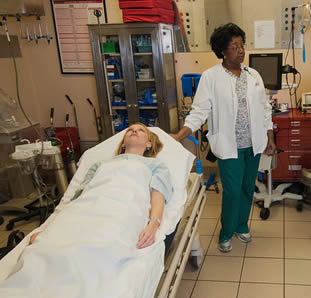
(137, 135)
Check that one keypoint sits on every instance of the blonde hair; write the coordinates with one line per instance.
(156, 144)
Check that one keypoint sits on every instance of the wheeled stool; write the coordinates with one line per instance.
(266, 195)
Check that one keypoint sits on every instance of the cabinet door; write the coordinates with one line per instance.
(146, 96)
(114, 70)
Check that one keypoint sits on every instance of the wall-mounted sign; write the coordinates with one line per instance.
(71, 19)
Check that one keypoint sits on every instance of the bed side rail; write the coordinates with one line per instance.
(178, 264)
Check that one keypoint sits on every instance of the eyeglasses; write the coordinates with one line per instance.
(236, 47)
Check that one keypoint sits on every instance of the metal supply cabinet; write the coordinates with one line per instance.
(293, 135)
(135, 75)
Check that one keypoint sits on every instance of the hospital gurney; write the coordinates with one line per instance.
(195, 195)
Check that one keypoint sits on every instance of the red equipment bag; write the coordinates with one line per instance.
(149, 19)
(152, 15)
(167, 4)
(154, 11)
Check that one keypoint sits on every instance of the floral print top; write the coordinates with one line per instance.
(242, 124)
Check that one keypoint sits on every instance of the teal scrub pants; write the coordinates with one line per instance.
(238, 176)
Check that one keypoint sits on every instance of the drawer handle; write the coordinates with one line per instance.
(295, 131)
(295, 156)
(295, 123)
(294, 167)
(295, 145)
(295, 140)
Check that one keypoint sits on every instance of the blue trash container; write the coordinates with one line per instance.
(190, 82)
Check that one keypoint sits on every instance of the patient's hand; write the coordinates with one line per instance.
(147, 236)
(33, 237)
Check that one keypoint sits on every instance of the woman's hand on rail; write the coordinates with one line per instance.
(147, 236)
(174, 136)
(182, 134)
(33, 237)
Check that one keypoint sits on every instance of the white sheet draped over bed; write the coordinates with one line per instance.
(90, 250)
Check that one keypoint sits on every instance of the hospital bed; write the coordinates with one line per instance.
(192, 201)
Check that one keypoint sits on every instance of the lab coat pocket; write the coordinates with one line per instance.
(221, 146)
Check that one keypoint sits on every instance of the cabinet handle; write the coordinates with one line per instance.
(295, 123)
(295, 145)
(135, 105)
(294, 167)
(295, 131)
(295, 140)
(295, 156)
(129, 105)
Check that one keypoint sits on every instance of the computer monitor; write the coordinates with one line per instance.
(269, 67)
(306, 102)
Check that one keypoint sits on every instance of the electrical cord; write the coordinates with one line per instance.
(43, 192)
(38, 183)
(288, 48)
(18, 94)
(294, 93)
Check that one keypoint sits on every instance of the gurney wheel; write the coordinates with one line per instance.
(194, 261)
(299, 206)
(264, 213)
(10, 226)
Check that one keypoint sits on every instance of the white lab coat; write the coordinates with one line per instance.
(216, 100)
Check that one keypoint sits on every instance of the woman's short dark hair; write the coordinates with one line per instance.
(222, 36)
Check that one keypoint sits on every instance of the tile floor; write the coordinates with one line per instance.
(276, 264)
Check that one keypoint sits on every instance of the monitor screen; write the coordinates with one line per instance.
(307, 99)
(269, 67)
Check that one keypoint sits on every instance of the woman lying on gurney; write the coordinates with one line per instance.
(95, 238)
(139, 141)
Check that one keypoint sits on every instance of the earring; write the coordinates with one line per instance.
(122, 149)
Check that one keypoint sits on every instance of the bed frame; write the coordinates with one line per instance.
(179, 253)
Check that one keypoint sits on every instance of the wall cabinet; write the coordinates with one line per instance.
(134, 67)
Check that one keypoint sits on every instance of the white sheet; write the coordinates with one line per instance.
(178, 160)
(94, 256)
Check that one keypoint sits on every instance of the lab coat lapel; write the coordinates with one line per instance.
(251, 85)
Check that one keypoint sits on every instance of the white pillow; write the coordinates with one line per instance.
(178, 160)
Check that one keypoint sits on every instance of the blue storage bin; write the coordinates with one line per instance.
(187, 81)
(118, 103)
(149, 118)
(115, 76)
(149, 99)
(117, 73)
(142, 99)
(122, 121)
(144, 49)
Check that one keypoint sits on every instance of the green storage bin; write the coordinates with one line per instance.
(110, 47)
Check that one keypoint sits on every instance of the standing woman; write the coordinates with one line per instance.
(232, 97)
